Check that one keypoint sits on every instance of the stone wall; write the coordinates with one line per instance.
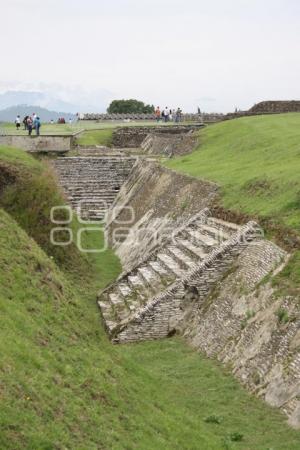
(159, 199)
(162, 316)
(58, 144)
(132, 137)
(169, 144)
(245, 324)
(276, 107)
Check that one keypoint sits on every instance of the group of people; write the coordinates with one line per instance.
(168, 115)
(30, 123)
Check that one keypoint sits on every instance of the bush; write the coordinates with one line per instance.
(213, 419)
(282, 315)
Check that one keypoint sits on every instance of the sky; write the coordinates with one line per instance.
(215, 54)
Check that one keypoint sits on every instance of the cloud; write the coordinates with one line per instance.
(162, 52)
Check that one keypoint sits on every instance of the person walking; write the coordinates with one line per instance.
(29, 125)
(157, 114)
(37, 125)
(18, 122)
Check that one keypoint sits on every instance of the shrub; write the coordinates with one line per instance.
(213, 419)
(282, 315)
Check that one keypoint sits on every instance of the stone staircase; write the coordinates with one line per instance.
(132, 296)
(91, 184)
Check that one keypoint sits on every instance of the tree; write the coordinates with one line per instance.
(130, 106)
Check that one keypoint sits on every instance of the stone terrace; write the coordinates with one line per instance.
(125, 304)
(91, 184)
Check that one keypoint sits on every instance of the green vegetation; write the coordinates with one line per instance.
(29, 191)
(64, 386)
(282, 315)
(256, 161)
(130, 106)
(96, 137)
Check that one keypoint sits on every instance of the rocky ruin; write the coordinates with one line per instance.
(189, 271)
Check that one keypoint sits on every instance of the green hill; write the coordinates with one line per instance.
(63, 385)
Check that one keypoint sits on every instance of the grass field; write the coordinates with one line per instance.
(96, 137)
(64, 386)
(47, 128)
(256, 160)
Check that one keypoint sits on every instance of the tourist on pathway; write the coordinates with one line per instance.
(166, 114)
(178, 115)
(18, 122)
(25, 122)
(29, 125)
(37, 125)
(157, 114)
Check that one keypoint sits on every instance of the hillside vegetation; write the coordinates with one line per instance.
(256, 161)
(96, 137)
(63, 385)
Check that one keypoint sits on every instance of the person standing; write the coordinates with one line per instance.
(178, 115)
(25, 122)
(29, 125)
(18, 122)
(157, 114)
(166, 114)
(37, 125)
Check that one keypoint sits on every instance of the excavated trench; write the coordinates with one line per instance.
(188, 271)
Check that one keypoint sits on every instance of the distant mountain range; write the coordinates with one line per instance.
(43, 99)
(9, 114)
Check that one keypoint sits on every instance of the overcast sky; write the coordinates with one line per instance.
(215, 54)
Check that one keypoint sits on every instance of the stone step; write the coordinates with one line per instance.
(200, 239)
(135, 282)
(228, 227)
(170, 264)
(216, 233)
(182, 258)
(124, 289)
(116, 299)
(160, 269)
(195, 251)
(148, 275)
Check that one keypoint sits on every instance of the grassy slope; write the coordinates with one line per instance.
(96, 137)
(30, 199)
(256, 160)
(63, 385)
